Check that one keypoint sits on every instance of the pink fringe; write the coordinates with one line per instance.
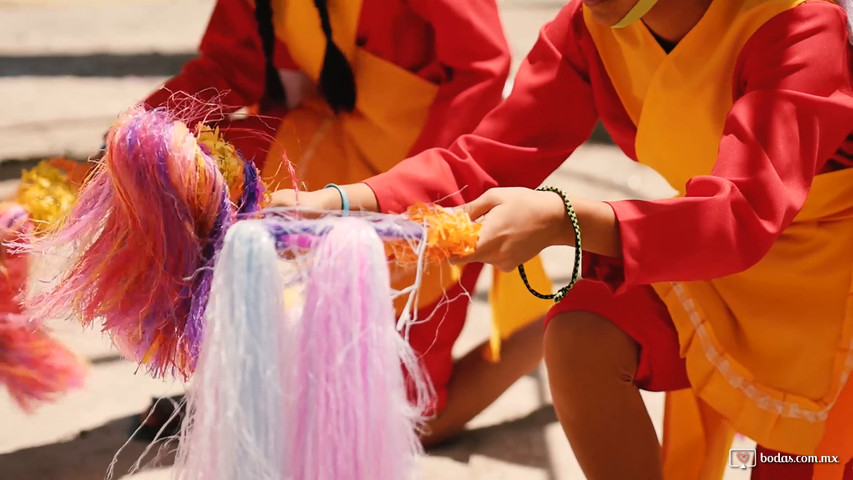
(138, 233)
(33, 366)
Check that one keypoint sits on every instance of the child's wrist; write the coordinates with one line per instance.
(560, 228)
(330, 199)
(343, 198)
(359, 196)
(362, 197)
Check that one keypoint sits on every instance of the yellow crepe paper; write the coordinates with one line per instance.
(229, 162)
(47, 193)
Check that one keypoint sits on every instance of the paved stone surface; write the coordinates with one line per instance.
(66, 69)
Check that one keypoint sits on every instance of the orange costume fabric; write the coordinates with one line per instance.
(426, 71)
(750, 118)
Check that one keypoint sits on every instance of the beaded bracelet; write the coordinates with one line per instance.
(561, 293)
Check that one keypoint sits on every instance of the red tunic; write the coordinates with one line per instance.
(458, 45)
(792, 118)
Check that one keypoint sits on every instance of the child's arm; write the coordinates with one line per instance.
(795, 111)
(470, 44)
(549, 113)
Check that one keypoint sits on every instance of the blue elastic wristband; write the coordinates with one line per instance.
(344, 198)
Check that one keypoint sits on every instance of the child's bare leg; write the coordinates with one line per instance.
(477, 382)
(591, 366)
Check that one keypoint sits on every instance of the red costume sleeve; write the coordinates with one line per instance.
(230, 66)
(794, 109)
(470, 44)
(549, 113)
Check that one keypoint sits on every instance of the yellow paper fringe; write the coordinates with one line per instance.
(49, 190)
(46, 193)
(227, 159)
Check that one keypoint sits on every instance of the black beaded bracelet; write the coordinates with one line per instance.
(561, 293)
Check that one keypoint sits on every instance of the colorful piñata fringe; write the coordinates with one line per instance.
(33, 366)
(283, 382)
(450, 233)
(148, 225)
(146, 228)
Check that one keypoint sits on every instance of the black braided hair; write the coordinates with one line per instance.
(263, 14)
(337, 82)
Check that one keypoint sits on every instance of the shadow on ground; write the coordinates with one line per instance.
(86, 457)
(95, 65)
(520, 441)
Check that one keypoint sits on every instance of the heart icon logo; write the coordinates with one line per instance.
(742, 457)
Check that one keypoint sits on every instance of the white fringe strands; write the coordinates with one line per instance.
(236, 424)
(314, 391)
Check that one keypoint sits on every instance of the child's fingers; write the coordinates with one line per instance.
(481, 205)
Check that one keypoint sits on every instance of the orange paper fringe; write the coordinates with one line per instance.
(450, 233)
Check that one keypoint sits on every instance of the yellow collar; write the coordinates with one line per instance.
(637, 12)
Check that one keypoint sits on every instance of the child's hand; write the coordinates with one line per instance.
(326, 199)
(360, 196)
(518, 223)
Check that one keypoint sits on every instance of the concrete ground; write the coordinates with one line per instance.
(67, 68)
